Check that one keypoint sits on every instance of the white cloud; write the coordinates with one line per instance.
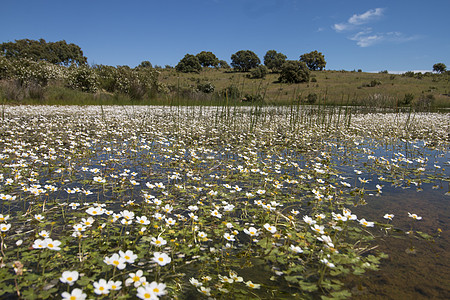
(366, 38)
(356, 20)
(366, 17)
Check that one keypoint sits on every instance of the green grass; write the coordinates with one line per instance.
(331, 88)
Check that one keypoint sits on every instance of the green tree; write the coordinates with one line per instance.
(244, 60)
(259, 72)
(188, 64)
(59, 52)
(207, 59)
(439, 67)
(294, 71)
(274, 60)
(145, 64)
(314, 60)
(223, 64)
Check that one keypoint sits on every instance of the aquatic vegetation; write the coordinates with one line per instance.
(221, 202)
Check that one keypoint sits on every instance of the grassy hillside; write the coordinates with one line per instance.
(331, 87)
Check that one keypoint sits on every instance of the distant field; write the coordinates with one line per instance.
(331, 87)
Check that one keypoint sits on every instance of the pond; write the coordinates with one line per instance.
(223, 202)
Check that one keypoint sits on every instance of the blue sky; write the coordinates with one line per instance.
(398, 35)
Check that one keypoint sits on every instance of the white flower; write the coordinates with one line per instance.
(296, 249)
(414, 216)
(159, 289)
(115, 285)
(216, 214)
(229, 237)
(318, 228)
(135, 278)
(76, 294)
(4, 227)
(365, 223)
(161, 258)
(158, 241)
(252, 231)
(69, 277)
(252, 285)
(327, 240)
(388, 216)
(309, 220)
(270, 228)
(128, 256)
(329, 264)
(52, 244)
(101, 287)
(116, 261)
(195, 282)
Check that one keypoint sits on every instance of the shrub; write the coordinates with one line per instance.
(259, 72)
(311, 98)
(252, 98)
(232, 92)
(294, 71)
(206, 87)
(425, 102)
(82, 78)
(189, 63)
(407, 99)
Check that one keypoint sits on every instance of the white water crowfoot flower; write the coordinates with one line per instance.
(136, 279)
(128, 256)
(158, 241)
(318, 229)
(296, 249)
(151, 291)
(414, 216)
(161, 259)
(69, 277)
(327, 240)
(4, 227)
(309, 220)
(116, 261)
(101, 287)
(388, 216)
(252, 285)
(195, 282)
(252, 231)
(270, 228)
(326, 262)
(76, 294)
(365, 223)
(115, 285)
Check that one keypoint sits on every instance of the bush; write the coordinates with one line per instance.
(293, 71)
(188, 64)
(425, 102)
(82, 78)
(206, 87)
(311, 98)
(252, 98)
(407, 99)
(232, 92)
(259, 72)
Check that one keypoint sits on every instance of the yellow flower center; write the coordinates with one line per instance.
(147, 296)
(73, 297)
(136, 278)
(156, 290)
(101, 288)
(161, 259)
(50, 245)
(116, 262)
(69, 278)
